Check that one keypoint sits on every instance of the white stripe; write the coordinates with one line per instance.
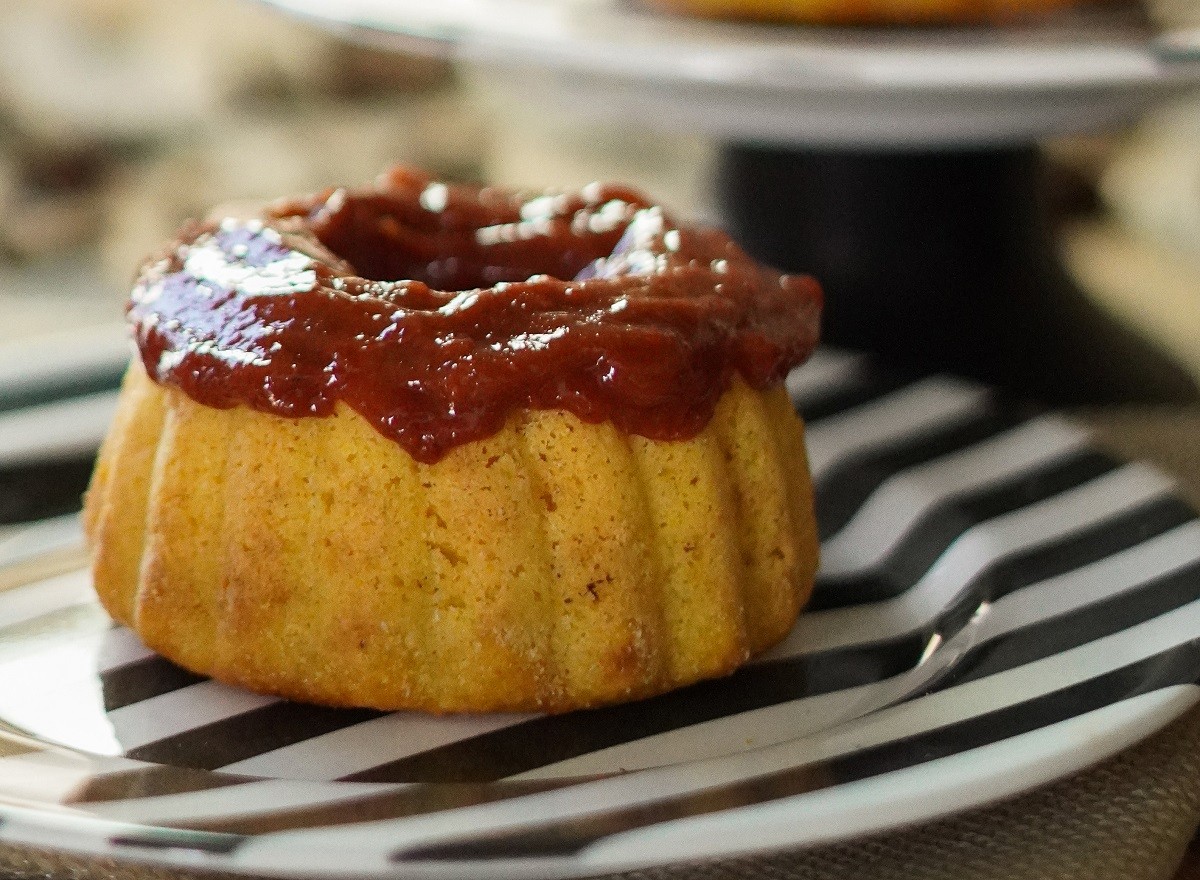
(378, 741)
(32, 675)
(52, 687)
(977, 549)
(1158, 557)
(917, 409)
(1087, 585)
(826, 370)
(976, 698)
(121, 647)
(125, 647)
(926, 791)
(370, 744)
(55, 430)
(1127, 486)
(901, 501)
(22, 542)
(181, 710)
(64, 831)
(743, 732)
(248, 799)
(21, 604)
(49, 776)
(939, 709)
(55, 693)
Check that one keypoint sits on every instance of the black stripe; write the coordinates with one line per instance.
(940, 527)
(88, 380)
(1100, 540)
(542, 741)
(1059, 634)
(865, 386)
(150, 781)
(843, 490)
(48, 488)
(554, 738)
(390, 804)
(1130, 528)
(252, 733)
(1017, 648)
(570, 837)
(169, 838)
(143, 679)
(1040, 640)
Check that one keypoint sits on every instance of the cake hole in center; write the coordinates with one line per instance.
(388, 239)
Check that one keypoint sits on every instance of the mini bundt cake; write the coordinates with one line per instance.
(552, 467)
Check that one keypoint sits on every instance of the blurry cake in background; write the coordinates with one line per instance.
(290, 151)
(534, 149)
(53, 197)
(119, 118)
(868, 12)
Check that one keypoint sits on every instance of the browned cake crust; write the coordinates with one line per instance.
(556, 565)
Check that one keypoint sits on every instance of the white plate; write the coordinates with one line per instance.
(622, 60)
(999, 605)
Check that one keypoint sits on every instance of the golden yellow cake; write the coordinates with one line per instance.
(572, 548)
(868, 12)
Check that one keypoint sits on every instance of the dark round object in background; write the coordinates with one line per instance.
(941, 260)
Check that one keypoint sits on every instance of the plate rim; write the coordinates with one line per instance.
(1156, 707)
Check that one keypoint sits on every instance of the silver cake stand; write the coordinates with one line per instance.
(897, 165)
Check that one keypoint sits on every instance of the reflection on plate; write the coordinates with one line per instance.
(999, 604)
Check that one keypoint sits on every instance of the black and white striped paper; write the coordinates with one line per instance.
(999, 604)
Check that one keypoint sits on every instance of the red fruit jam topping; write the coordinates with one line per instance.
(435, 310)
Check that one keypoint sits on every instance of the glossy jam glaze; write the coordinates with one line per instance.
(594, 302)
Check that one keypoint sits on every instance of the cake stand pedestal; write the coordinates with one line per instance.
(940, 260)
(896, 165)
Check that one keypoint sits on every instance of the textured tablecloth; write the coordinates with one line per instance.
(1130, 818)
